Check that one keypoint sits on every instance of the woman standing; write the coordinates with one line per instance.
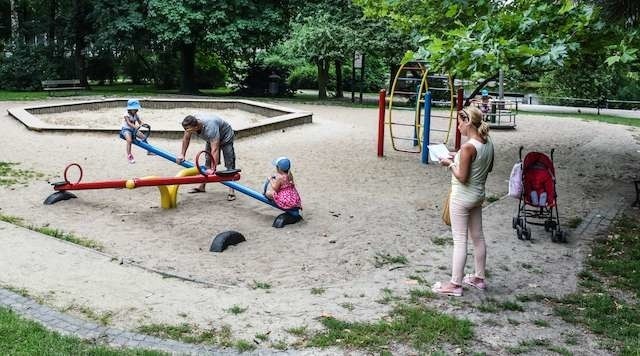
(469, 170)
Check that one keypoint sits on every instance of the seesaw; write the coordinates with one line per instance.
(288, 217)
(167, 185)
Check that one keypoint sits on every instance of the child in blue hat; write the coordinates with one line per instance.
(130, 123)
(281, 188)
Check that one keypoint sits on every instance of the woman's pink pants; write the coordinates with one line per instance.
(466, 220)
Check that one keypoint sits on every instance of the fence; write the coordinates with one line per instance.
(599, 103)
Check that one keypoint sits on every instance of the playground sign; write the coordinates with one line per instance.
(357, 60)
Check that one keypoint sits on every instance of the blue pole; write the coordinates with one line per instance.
(426, 127)
(236, 186)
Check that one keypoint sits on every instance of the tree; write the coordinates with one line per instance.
(220, 26)
(329, 32)
(476, 40)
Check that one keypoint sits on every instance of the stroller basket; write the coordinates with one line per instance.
(538, 201)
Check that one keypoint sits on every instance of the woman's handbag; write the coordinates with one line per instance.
(446, 214)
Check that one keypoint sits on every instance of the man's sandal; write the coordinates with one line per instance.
(231, 197)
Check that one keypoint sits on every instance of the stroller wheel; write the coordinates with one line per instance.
(515, 222)
(554, 237)
(561, 236)
(519, 232)
(548, 225)
(526, 233)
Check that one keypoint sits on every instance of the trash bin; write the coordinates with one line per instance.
(274, 84)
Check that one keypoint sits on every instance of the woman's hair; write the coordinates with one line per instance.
(189, 121)
(477, 119)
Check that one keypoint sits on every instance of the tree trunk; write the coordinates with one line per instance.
(188, 57)
(323, 78)
(51, 31)
(339, 90)
(15, 26)
(79, 29)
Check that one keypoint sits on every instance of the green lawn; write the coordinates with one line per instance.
(19, 336)
(613, 269)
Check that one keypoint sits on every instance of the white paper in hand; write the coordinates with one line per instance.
(438, 152)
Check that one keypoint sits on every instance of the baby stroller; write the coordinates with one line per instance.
(539, 193)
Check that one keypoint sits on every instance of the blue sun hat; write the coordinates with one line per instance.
(282, 163)
(133, 104)
(485, 92)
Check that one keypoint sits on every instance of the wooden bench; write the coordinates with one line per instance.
(62, 84)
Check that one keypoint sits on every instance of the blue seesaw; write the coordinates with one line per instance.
(288, 217)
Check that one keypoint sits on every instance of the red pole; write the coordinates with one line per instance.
(460, 103)
(382, 102)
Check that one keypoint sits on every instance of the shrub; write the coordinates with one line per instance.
(210, 72)
(23, 67)
(259, 77)
(304, 77)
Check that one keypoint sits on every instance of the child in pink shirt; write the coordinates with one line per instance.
(281, 188)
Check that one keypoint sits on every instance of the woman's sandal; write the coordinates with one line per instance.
(231, 197)
(196, 190)
(474, 282)
(452, 292)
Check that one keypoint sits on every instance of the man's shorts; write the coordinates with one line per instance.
(228, 154)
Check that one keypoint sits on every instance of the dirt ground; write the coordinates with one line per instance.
(356, 206)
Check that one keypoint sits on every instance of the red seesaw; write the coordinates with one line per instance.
(168, 199)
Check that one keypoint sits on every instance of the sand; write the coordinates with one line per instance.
(356, 206)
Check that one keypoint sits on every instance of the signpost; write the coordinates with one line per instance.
(358, 63)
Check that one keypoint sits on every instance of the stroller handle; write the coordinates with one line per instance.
(522, 147)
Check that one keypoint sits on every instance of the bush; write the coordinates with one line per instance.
(101, 68)
(166, 66)
(23, 68)
(260, 75)
(304, 77)
(210, 72)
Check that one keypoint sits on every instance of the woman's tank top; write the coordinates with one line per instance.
(473, 191)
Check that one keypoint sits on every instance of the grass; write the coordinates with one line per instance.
(348, 306)
(23, 337)
(418, 325)
(102, 318)
(613, 264)
(244, 345)
(317, 290)
(574, 222)
(442, 241)
(236, 309)
(10, 176)
(189, 333)
(55, 233)
(387, 296)
(491, 305)
(380, 260)
(260, 285)
(297, 331)
(610, 119)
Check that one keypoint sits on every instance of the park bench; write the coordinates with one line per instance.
(52, 86)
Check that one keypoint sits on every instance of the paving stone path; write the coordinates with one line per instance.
(68, 325)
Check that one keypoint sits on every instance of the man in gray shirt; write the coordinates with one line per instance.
(218, 136)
